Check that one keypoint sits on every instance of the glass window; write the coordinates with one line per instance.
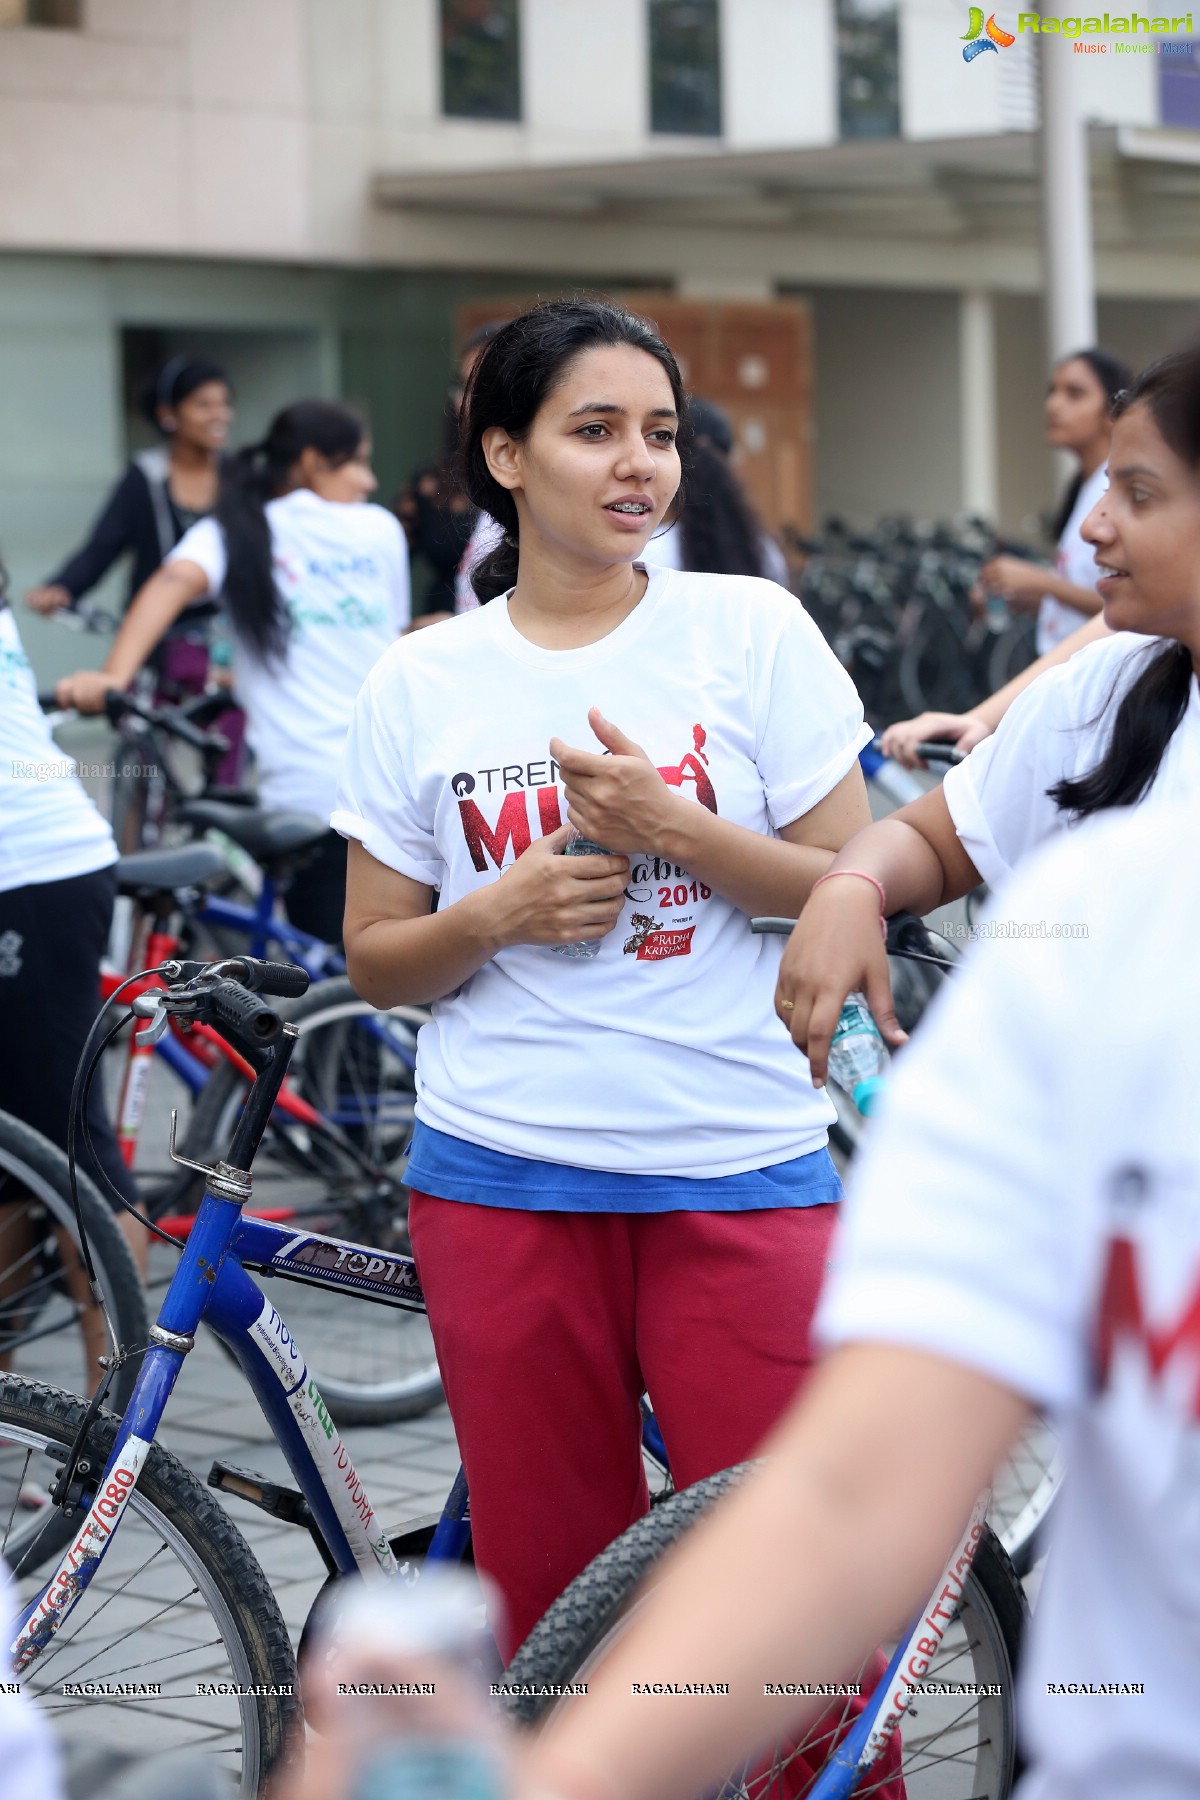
(685, 67)
(868, 68)
(481, 59)
(1178, 62)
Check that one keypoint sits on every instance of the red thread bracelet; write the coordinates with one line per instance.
(862, 876)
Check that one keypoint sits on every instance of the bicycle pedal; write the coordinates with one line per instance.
(272, 1497)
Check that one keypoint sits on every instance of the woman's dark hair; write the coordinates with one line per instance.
(1152, 708)
(248, 480)
(517, 370)
(721, 535)
(178, 378)
(1114, 377)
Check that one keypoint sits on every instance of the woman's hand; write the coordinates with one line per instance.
(836, 949)
(48, 598)
(962, 730)
(1021, 583)
(86, 690)
(549, 898)
(619, 800)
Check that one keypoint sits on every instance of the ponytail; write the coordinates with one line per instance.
(259, 473)
(1147, 719)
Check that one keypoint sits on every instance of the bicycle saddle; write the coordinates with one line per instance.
(150, 872)
(266, 836)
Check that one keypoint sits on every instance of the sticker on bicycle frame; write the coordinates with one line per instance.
(925, 1640)
(80, 1562)
(133, 1105)
(366, 1537)
(371, 1271)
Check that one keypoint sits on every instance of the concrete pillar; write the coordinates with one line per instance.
(980, 487)
(1068, 271)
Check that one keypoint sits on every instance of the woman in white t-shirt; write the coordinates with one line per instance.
(1079, 400)
(58, 882)
(620, 1180)
(316, 586)
(1023, 1230)
(1118, 725)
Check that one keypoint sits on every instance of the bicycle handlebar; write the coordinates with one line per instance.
(171, 719)
(229, 1004)
(947, 753)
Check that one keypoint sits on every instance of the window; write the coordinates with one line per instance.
(481, 59)
(685, 67)
(868, 68)
(64, 15)
(1178, 62)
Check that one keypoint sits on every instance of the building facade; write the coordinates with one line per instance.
(314, 189)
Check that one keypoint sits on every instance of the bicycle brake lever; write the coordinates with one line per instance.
(149, 1006)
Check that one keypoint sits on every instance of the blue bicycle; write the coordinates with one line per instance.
(157, 1601)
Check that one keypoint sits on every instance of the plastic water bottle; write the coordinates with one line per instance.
(586, 948)
(407, 1694)
(858, 1056)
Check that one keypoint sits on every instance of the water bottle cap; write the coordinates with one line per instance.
(868, 1093)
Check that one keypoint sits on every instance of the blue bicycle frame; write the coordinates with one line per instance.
(211, 1285)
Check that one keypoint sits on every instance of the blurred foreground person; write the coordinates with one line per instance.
(1023, 1231)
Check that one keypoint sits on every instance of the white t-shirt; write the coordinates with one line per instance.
(1060, 726)
(662, 1055)
(49, 829)
(1075, 562)
(1028, 1204)
(343, 573)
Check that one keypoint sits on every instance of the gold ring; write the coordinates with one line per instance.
(787, 1006)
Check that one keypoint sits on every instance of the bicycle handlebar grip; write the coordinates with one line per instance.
(244, 1014)
(770, 927)
(947, 753)
(285, 980)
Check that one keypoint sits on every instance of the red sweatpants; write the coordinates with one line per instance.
(549, 1326)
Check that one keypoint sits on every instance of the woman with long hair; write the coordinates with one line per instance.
(1078, 408)
(1118, 725)
(315, 583)
(619, 1179)
(716, 531)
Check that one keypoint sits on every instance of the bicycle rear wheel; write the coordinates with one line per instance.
(356, 1066)
(954, 1746)
(179, 1605)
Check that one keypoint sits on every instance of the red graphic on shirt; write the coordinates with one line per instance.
(665, 942)
(692, 768)
(1122, 1317)
(514, 827)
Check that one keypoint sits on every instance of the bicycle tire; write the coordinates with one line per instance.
(136, 806)
(935, 671)
(573, 1635)
(1013, 651)
(212, 1565)
(390, 1372)
(31, 1162)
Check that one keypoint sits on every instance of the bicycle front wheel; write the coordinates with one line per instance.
(178, 1641)
(954, 1745)
(356, 1066)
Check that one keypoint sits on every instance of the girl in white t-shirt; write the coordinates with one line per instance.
(1118, 725)
(619, 1171)
(316, 586)
(1082, 390)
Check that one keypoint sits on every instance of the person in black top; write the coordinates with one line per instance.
(162, 492)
